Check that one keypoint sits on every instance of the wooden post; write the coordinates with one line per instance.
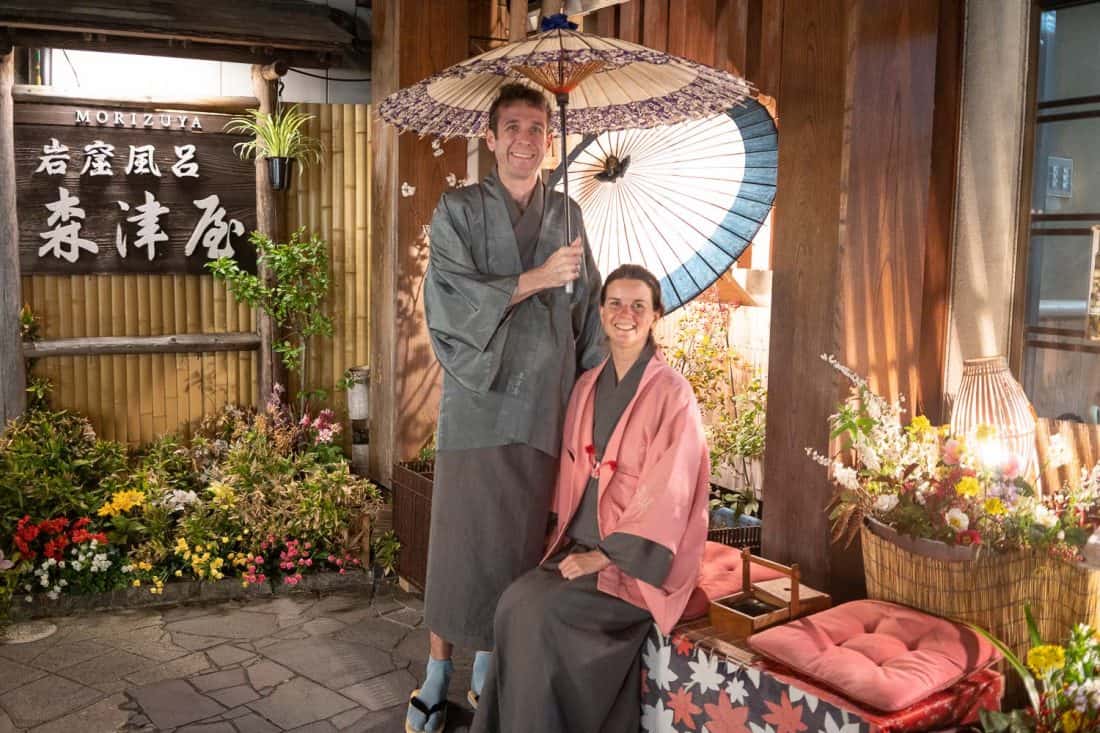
(12, 374)
(271, 370)
(406, 47)
(857, 104)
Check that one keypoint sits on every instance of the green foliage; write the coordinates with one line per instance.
(277, 135)
(1062, 683)
(52, 464)
(731, 396)
(296, 296)
(39, 390)
(28, 324)
(386, 550)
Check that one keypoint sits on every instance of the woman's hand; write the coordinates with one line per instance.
(582, 563)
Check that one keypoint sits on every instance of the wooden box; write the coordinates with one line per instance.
(760, 605)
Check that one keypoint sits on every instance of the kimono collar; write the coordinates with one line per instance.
(515, 213)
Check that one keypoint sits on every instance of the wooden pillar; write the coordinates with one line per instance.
(271, 368)
(858, 81)
(12, 375)
(407, 46)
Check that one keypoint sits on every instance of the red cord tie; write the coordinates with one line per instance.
(597, 465)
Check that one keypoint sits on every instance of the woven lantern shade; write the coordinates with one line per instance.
(990, 395)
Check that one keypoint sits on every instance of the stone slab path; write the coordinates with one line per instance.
(345, 661)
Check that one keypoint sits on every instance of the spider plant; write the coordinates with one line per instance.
(278, 135)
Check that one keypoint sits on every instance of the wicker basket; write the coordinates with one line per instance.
(989, 590)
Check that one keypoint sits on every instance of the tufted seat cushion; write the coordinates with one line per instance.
(879, 654)
(720, 576)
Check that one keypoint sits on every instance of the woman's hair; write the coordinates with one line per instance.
(636, 272)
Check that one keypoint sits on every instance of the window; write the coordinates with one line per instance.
(1061, 359)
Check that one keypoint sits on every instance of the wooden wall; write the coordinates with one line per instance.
(863, 177)
(137, 398)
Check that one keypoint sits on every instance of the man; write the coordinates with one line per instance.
(511, 341)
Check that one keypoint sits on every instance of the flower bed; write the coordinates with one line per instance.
(261, 497)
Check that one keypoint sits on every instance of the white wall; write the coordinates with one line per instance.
(988, 198)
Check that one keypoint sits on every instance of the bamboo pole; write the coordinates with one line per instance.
(362, 232)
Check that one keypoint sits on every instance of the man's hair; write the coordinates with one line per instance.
(636, 272)
(517, 94)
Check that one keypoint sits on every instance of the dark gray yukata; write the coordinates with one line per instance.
(508, 373)
(566, 657)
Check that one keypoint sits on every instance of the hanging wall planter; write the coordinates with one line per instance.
(280, 137)
(280, 171)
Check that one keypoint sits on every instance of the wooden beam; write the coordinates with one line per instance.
(180, 343)
(12, 371)
(517, 20)
(271, 369)
(34, 94)
(178, 48)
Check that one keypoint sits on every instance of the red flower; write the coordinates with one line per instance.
(82, 523)
(55, 547)
(684, 707)
(724, 718)
(682, 645)
(969, 537)
(785, 717)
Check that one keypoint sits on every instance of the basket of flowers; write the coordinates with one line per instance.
(946, 529)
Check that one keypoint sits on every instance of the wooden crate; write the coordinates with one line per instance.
(412, 511)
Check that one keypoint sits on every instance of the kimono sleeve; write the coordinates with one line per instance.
(669, 508)
(466, 309)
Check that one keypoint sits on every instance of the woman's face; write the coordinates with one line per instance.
(627, 314)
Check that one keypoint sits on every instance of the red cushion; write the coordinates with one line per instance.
(878, 654)
(720, 576)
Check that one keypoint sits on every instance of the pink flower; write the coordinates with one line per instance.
(308, 562)
(1011, 468)
(258, 560)
(952, 452)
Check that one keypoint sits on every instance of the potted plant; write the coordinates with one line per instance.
(277, 137)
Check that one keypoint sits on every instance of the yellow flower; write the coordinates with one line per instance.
(223, 494)
(136, 583)
(920, 425)
(179, 573)
(1071, 721)
(985, 432)
(968, 487)
(144, 566)
(1045, 657)
(106, 510)
(198, 548)
(994, 507)
(225, 539)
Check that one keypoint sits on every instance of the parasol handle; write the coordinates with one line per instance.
(563, 102)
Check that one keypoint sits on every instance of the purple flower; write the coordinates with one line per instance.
(5, 564)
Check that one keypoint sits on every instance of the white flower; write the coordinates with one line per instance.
(657, 719)
(886, 502)
(437, 148)
(704, 672)
(1058, 452)
(407, 190)
(179, 499)
(28, 598)
(868, 456)
(736, 690)
(957, 519)
(845, 476)
(62, 583)
(52, 595)
(657, 661)
(1044, 516)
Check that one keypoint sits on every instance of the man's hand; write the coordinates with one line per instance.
(564, 266)
(582, 563)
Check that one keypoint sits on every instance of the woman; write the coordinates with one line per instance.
(631, 504)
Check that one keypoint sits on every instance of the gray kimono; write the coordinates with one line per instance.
(508, 373)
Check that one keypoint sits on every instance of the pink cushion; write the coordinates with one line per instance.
(720, 576)
(879, 654)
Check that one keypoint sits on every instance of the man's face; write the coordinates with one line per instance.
(521, 141)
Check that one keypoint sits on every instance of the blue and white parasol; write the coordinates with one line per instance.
(684, 200)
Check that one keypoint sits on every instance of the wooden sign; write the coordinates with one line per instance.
(113, 190)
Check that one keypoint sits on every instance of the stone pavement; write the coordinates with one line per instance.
(345, 661)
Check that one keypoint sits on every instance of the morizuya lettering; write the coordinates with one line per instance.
(150, 120)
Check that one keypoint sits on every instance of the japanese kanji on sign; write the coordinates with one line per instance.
(103, 191)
